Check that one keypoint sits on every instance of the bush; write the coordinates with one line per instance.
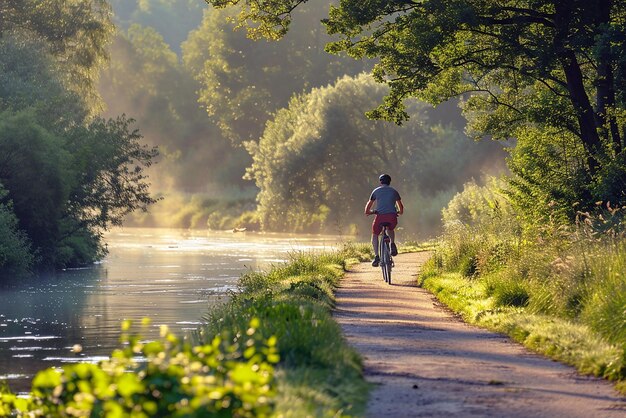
(507, 291)
(605, 298)
(249, 220)
(225, 377)
(80, 249)
(481, 232)
(16, 257)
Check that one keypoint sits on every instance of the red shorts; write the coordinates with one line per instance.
(390, 218)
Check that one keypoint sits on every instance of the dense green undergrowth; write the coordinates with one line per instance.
(272, 349)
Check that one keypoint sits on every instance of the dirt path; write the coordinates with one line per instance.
(427, 363)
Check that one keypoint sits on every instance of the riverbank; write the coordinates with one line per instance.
(318, 373)
(272, 348)
(169, 275)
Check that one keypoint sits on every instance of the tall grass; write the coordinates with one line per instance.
(318, 373)
(604, 304)
(559, 289)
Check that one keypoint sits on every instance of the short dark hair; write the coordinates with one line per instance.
(385, 179)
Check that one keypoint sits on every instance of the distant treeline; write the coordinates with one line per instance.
(216, 103)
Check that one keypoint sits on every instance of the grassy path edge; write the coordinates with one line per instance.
(561, 340)
(319, 374)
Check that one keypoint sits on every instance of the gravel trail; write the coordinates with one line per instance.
(425, 362)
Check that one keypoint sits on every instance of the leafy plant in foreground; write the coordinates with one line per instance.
(167, 377)
(318, 373)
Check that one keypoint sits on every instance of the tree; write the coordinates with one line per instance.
(62, 188)
(16, 258)
(319, 158)
(76, 33)
(33, 169)
(546, 182)
(553, 63)
(30, 77)
(173, 19)
(146, 78)
(67, 174)
(244, 82)
(107, 164)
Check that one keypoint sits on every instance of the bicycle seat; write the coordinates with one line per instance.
(385, 224)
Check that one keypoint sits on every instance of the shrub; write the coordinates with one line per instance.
(481, 232)
(225, 377)
(16, 257)
(249, 220)
(507, 291)
(605, 301)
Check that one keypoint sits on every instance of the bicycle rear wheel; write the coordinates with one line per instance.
(388, 267)
(381, 253)
(385, 262)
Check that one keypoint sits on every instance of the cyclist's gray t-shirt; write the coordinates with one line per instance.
(385, 197)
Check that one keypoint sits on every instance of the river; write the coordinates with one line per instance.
(170, 276)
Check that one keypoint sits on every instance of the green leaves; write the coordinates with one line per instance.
(77, 33)
(67, 186)
(273, 16)
(68, 174)
(16, 257)
(522, 64)
(175, 379)
(46, 381)
(244, 82)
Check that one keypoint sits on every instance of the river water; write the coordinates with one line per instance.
(169, 276)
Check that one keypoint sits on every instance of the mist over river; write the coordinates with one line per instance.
(170, 276)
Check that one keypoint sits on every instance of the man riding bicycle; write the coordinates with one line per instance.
(388, 207)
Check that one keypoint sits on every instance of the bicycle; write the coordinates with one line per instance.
(384, 250)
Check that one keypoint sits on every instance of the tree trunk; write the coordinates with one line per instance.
(583, 109)
(605, 100)
(605, 89)
(575, 84)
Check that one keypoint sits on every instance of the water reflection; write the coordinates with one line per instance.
(167, 275)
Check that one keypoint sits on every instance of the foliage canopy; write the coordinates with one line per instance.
(75, 32)
(319, 158)
(557, 65)
(146, 77)
(68, 174)
(244, 82)
(446, 48)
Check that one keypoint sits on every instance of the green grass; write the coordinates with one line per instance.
(318, 373)
(415, 247)
(499, 304)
